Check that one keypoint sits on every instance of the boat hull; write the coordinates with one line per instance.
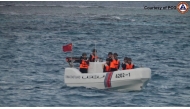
(122, 80)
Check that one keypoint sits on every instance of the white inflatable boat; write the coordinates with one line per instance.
(121, 80)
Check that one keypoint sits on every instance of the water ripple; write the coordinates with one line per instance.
(32, 62)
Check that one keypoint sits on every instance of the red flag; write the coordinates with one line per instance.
(68, 47)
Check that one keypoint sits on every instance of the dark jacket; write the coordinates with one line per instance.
(109, 59)
(90, 58)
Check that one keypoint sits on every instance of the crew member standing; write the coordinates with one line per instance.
(115, 63)
(84, 63)
(93, 57)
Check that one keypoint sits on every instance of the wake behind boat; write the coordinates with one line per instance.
(121, 80)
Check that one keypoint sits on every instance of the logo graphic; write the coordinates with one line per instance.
(182, 7)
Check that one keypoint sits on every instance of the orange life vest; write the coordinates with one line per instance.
(129, 66)
(94, 57)
(107, 67)
(114, 64)
(84, 64)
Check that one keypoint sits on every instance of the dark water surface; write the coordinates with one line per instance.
(32, 62)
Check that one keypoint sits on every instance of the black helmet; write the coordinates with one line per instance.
(110, 53)
(125, 58)
(94, 50)
(129, 59)
(115, 54)
(83, 54)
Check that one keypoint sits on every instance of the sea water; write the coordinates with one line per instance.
(32, 62)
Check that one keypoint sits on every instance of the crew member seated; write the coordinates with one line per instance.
(129, 64)
(124, 64)
(93, 57)
(106, 66)
(115, 63)
(84, 63)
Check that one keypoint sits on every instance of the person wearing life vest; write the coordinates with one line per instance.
(93, 57)
(123, 65)
(115, 63)
(84, 63)
(129, 64)
(106, 66)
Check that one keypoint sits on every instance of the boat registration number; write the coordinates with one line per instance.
(122, 75)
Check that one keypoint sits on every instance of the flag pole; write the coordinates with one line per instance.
(95, 56)
(68, 48)
(71, 53)
(95, 50)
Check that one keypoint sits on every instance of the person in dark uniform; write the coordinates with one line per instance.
(84, 63)
(123, 65)
(93, 57)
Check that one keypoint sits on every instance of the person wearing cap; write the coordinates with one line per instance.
(115, 63)
(123, 65)
(129, 64)
(84, 63)
(93, 57)
(106, 66)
